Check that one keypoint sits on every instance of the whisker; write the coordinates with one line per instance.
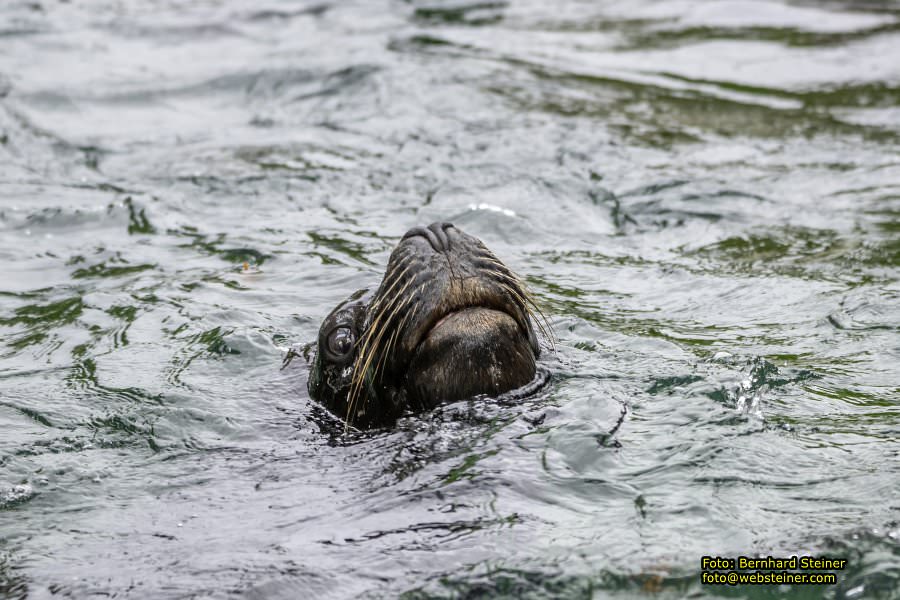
(523, 295)
(387, 322)
(391, 343)
(373, 326)
(501, 267)
(376, 304)
(369, 349)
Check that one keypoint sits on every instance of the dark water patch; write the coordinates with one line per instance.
(347, 80)
(877, 424)
(266, 14)
(854, 397)
(662, 116)
(13, 582)
(867, 310)
(694, 335)
(872, 555)
(787, 36)
(214, 341)
(760, 248)
(104, 269)
(83, 376)
(229, 283)
(591, 23)
(752, 388)
(304, 163)
(821, 254)
(664, 581)
(23, 30)
(137, 219)
(126, 314)
(30, 413)
(620, 219)
(857, 95)
(590, 257)
(340, 246)
(655, 207)
(457, 12)
(420, 43)
(40, 320)
(668, 384)
(211, 343)
(888, 218)
(213, 244)
(71, 443)
(132, 427)
(441, 530)
(486, 581)
(603, 100)
(489, 580)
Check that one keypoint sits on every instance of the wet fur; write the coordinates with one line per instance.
(432, 273)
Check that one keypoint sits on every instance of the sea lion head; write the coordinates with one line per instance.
(449, 321)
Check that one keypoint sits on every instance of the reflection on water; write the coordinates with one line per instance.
(705, 196)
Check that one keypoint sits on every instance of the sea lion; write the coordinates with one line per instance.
(449, 321)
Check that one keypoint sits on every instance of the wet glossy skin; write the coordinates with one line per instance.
(449, 321)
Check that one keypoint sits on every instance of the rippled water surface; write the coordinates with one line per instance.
(703, 195)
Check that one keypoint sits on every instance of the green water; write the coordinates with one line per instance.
(703, 195)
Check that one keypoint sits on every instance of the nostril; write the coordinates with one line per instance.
(414, 232)
(436, 234)
(440, 233)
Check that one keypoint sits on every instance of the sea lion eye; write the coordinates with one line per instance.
(340, 341)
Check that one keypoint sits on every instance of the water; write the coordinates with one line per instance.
(705, 197)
